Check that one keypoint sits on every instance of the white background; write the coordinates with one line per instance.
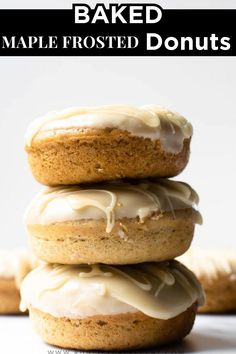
(202, 89)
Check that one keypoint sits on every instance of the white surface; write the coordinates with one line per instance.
(211, 334)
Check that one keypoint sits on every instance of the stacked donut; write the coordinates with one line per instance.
(108, 227)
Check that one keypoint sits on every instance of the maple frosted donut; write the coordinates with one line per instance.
(216, 270)
(113, 223)
(111, 308)
(92, 144)
(14, 265)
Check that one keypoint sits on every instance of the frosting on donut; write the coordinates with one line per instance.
(212, 263)
(111, 201)
(16, 264)
(160, 290)
(150, 121)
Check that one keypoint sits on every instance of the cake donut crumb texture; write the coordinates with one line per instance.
(111, 333)
(113, 223)
(92, 144)
(107, 307)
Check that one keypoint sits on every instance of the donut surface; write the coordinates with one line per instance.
(116, 332)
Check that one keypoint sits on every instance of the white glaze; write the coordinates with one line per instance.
(160, 290)
(152, 122)
(110, 201)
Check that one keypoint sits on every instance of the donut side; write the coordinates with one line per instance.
(114, 332)
(160, 237)
(220, 294)
(93, 155)
(216, 271)
(9, 297)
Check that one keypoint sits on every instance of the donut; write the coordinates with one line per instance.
(94, 144)
(114, 223)
(102, 307)
(216, 270)
(14, 265)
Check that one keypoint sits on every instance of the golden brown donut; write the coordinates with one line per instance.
(95, 144)
(104, 307)
(9, 296)
(216, 270)
(116, 332)
(116, 223)
(14, 265)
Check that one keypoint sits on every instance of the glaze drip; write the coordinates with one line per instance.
(151, 121)
(160, 290)
(111, 201)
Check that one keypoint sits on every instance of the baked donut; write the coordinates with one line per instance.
(92, 144)
(216, 270)
(114, 223)
(101, 307)
(14, 265)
